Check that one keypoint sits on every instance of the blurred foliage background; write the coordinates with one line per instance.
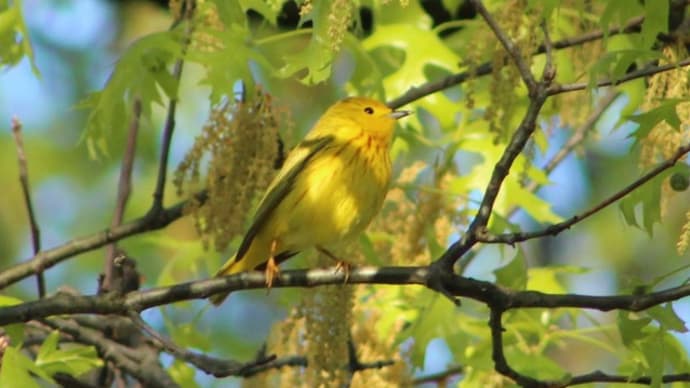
(91, 58)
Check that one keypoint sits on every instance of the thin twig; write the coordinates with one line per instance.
(124, 189)
(648, 70)
(211, 365)
(169, 125)
(415, 93)
(440, 378)
(516, 145)
(501, 365)
(552, 230)
(53, 256)
(549, 72)
(507, 43)
(579, 135)
(26, 191)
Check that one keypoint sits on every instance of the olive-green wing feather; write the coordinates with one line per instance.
(281, 186)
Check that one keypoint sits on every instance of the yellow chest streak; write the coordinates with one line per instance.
(342, 189)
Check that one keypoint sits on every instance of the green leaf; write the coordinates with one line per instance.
(655, 21)
(16, 332)
(654, 351)
(631, 329)
(514, 274)
(316, 59)
(73, 359)
(413, 41)
(142, 72)
(18, 370)
(667, 318)
(6, 300)
(183, 374)
(615, 64)
(187, 334)
(545, 279)
(513, 192)
(435, 320)
(268, 9)
(223, 70)
(642, 206)
(617, 12)
(666, 111)
(14, 36)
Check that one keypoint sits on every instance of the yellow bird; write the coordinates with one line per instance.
(327, 192)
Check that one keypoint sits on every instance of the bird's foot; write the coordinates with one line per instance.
(345, 267)
(272, 270)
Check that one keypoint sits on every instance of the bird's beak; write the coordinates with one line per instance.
(398, 114)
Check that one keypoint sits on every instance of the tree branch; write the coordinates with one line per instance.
(145, 369)
(169, 126)
(500, 172)
(211, 365)
(431, 87)
(512, 49)
(26, 191)
(440, 378)
(501, 366)
(486, 292)
(552, 230)
(123, 192)
(646, 71)
(51, 257)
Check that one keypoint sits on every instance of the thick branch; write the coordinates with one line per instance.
(492, 295)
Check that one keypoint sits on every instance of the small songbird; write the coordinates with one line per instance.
(327, 192)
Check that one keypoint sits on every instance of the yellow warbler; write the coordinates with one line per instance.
(328, 190)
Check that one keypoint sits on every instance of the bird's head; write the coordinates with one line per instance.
(367, 114)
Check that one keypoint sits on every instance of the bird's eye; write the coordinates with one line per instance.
(369, 110)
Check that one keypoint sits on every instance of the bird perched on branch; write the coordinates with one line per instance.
(329, 189)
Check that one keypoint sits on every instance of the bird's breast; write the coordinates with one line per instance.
(340, 191)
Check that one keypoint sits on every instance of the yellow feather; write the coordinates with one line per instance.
(329, 189)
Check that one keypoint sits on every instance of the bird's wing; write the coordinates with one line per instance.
(281, 186)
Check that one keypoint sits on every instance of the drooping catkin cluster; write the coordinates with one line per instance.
(241, 142)
(521, 24)
(372, 345)
(663, 140)
(339, 20)
(320, 327)
(573, 108)
(207, 22)
(413, 221)
(684, 239)
(328, 316)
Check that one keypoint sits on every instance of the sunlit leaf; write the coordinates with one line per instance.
(73, 359)
(631, 328)
(142, 72)
(18, 370)
(667, 317)
(514, 274)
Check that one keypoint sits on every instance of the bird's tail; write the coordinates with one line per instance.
(232, 266)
